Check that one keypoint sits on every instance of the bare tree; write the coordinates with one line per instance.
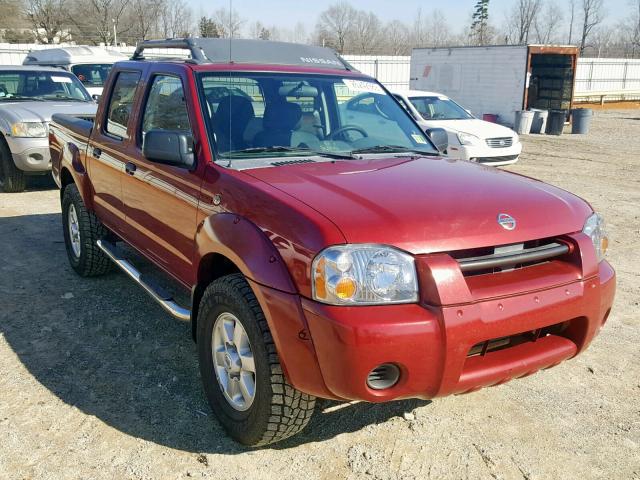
(430, 30)
(229, 22)
(176, 18)
(522, 18)
(572, 16)
(547, 23)
(144, 17)
(592, 15)
(335, 25)
(49, 19)
(397, 36)
(98, 21)
(366, 32)
(602, 40)
(634, 30)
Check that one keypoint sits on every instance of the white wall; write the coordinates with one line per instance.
(393, 72)
(484, 80)
(607, 74)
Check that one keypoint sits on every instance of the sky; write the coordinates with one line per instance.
(286, 13)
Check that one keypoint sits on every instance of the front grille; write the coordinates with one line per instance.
(500, 142)
(502, 258)
(481, 349)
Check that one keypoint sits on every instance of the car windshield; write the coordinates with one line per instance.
(256, 115)
(29, 85)
(439, 108)
(92, 74)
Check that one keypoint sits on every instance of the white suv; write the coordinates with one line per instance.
(469, 138)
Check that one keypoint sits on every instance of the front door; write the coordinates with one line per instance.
(161, 201)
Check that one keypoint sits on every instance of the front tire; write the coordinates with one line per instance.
(82, 230)
(240, 370)
(12, 179)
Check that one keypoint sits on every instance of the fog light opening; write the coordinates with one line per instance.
(383, 376)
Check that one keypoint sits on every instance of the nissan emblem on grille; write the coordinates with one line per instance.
(506, 221)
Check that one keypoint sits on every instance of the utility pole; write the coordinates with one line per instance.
(115, 33)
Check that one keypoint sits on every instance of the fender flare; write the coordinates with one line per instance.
(73, 169)
(246, 246)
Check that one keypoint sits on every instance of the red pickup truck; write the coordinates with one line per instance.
(329, 249)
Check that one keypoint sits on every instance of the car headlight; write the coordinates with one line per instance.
(467, 138)
(516, 138)
(29, 129)
(364, 275)
(595, 228)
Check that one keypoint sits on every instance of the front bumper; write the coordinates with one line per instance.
(486, 154)
(30, 154)
(331, 350)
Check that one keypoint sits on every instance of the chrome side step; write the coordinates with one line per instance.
(163, 298)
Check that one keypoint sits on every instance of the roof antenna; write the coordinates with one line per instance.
(230, 61)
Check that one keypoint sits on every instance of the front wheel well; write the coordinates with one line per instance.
(65, 179)
(212, 267)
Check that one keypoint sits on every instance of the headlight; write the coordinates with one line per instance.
(364, 275)
(516, 138)
(467, 139)
(595, 228)
(29, 129)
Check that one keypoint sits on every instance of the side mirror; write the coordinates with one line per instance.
(169, 148)
(439, 137)
(96, 97)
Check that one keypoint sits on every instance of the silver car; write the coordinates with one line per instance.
(29, 96)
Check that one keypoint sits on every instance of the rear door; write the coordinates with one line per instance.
(110, 147)
(161, 201)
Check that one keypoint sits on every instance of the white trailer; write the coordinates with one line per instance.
(498, 80)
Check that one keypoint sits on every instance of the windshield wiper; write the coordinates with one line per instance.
(391, 149)
(20, 98)
(283, 149)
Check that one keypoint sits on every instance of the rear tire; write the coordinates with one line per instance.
(276, 410)
(82, 230)
(12, 179)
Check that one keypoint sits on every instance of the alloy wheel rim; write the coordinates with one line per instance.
(233, 362)
(74, 231)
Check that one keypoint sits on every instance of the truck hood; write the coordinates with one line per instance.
(428, 205)
(42, 111)
(479, 128)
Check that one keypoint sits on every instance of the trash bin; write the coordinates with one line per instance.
(490, 117)
(539, 124)
(555, 123)
(524, 119)
(581, 120)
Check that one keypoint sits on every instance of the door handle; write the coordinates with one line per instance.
(130, 168)
(97, 152)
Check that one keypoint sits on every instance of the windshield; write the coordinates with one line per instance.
(254, 115)
(92, 74)
(33, 85)
(439, 108)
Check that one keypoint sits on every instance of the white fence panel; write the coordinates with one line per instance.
(393, 72)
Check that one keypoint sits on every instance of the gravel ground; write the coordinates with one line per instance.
(97, 382)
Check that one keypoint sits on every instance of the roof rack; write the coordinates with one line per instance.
(226, 50)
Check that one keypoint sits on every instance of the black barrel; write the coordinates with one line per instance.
(581, 120)
(555, 124)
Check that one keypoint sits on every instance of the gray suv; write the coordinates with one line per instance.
(29, 96)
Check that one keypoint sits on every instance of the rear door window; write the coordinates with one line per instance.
(121, 104)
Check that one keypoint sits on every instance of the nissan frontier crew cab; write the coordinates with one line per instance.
(325, 258)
